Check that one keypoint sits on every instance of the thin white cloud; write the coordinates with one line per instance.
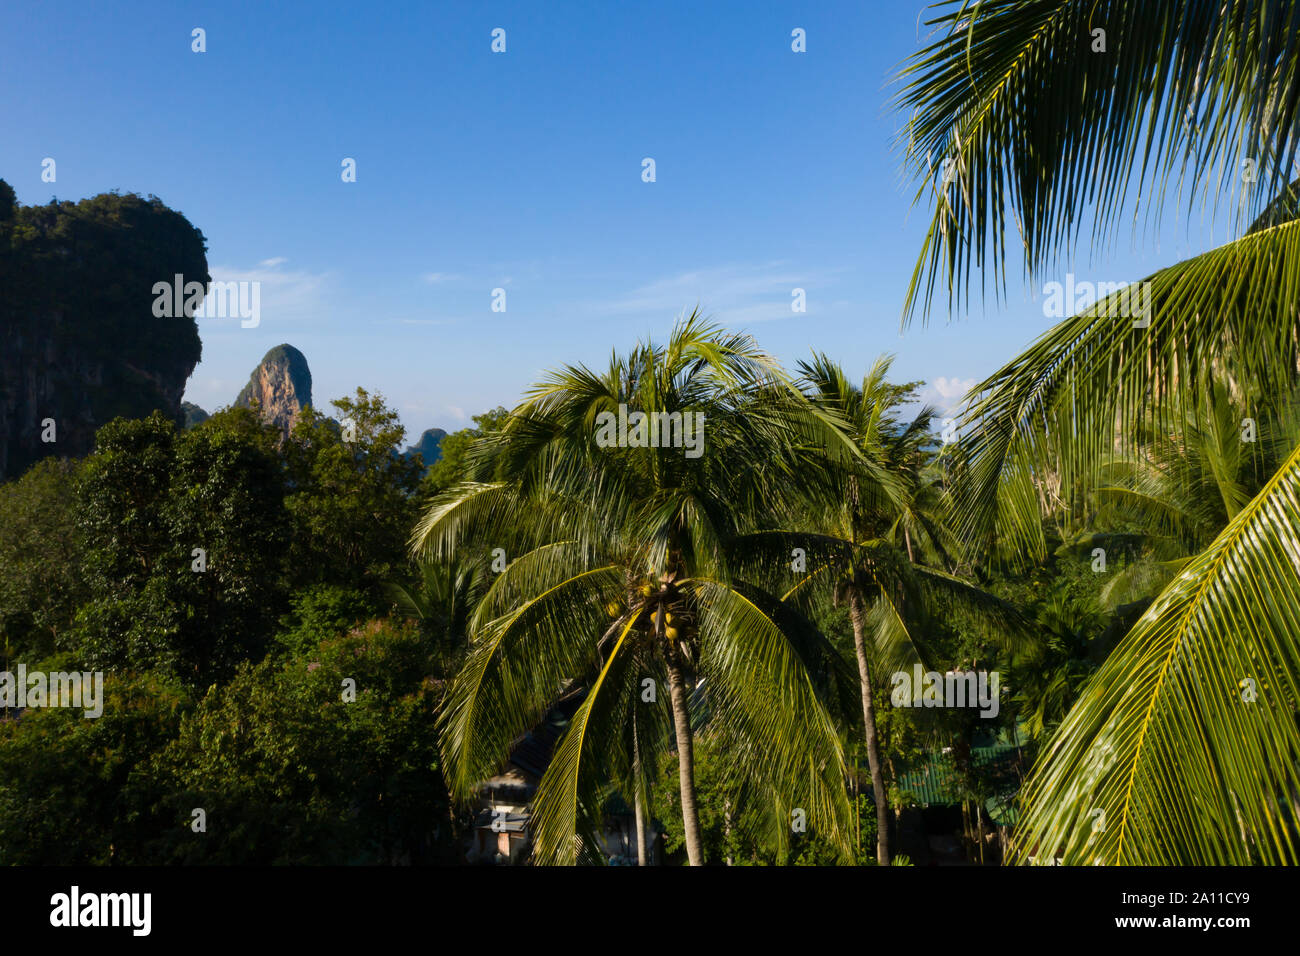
(286, 296)
(276, 261)
(731, 295)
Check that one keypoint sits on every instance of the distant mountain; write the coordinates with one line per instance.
(280, 387)
(192, 415)
(80, 343)
(429, 447)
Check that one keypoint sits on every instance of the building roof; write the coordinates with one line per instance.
(998, 762)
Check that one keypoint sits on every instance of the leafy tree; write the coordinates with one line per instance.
(41, 553)
(740, 828)
(877, 541)
(226, 501)
(1047, 674)
(69, 787)
(352, 496)
(120, 503)
(290, 769)
(1191, 474)
(451, 467)
(319, 612)
(184, 542)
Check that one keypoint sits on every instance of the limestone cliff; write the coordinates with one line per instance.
(79, 341)
(280, 387)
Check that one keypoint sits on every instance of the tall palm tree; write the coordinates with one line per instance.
(1184, 747)
(877, 540)
(620, 580)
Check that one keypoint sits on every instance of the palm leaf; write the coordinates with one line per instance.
(1015, 117)
(1184, 748)
(1056, 415)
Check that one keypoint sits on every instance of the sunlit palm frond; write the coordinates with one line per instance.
(759, 687)
(1185, 748)
(1058, 414)
(516, 666)
(591, 752)
(1019, 115)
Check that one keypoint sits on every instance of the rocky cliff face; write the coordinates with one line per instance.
(79, 341)
(280, 387)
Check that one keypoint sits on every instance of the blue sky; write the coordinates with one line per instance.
(519, 170)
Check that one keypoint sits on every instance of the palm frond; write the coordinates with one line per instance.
(760, 689)
(569, 796)
(1061, 412)
(1184, 748)
(1018, 116)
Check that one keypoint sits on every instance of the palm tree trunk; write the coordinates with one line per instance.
(685, 764)
(638, 804)
(859, 615)
(640, 830)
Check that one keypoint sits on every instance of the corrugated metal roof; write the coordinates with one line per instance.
(936, 783)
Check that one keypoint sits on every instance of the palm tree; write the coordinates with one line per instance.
(877, 540)
(620, 581)
(1183, 748)
(442, 598)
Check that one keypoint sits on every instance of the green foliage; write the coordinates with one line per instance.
(42, 585)
(1183, 94)
(147, 499)
(70, 786)
(442, 599)
(288, 771)
(1186, 737)
(352, 502)
(813, 849)
(1161, 740)
(452, 467)
(120, 500)
(732, 827)
(319, 613)
(604, 543)
(739, 827)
